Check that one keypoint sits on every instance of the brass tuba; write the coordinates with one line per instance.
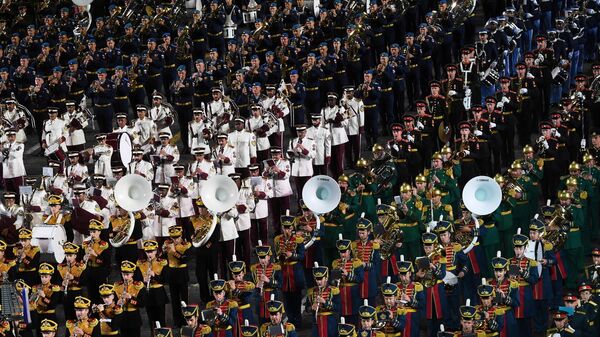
(391, 234)
(121, 234)
(460, 10)
(204, 232)
(557, 230)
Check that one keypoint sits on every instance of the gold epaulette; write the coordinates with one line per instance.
(138, 285)
(289, 327)
(418, 286)
(55, 288)
(514, 284)
(335, 291)
(70, 323)
(357, 263)
(92, 322)
(233, 304)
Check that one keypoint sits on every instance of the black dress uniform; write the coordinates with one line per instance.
(136, 76)
(121, 101)
(103, 93)
(154, 63)
(137, 293)
(98, 262)
(113, 312)
(76, 81)
(72, 278)
(547, 147)
(182, 90)
(48, 297)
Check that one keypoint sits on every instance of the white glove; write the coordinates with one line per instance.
(478, 133)
(396, 147)
(410, 138)
(481, 73)
(541, 57)
(468, 92)
(420, 126)
(583, 143)
(451, 93)
(492, 125)
(505, 99)
(447, 130)
(555, 133)
(545, 145)
(467, 152)
(536, 62)
(523, 91)
(499, 104)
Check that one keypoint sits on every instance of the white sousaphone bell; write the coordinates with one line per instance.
(219, 194)
(321, 194)
(132, 193)
(482, 195)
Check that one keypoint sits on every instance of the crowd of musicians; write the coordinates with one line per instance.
(270, 95)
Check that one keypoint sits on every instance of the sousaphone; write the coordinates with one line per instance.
(219, 194)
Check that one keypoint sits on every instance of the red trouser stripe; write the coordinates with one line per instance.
(408, 325)
(322, 326)
(364, 286)
(560, 264)
(289, 284)
(266, 297)
(346, 297)
(538, 290)
(520, 310)
(474, 263)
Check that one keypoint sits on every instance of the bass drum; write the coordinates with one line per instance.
(122, 146)
(50, 239)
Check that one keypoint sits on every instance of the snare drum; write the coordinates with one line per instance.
(56, 152)
(122, 146)
(249, 17)
(50, 239)
(229, 32)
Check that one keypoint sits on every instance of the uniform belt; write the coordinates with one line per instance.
(506, 212)
(79, 92)
(349, 284)
(179, 267)
(154, 75)
(131, 309)
(370, 106)
(198, 40)
(413, 66)
(482, 140)
(183, 104)
(74, 288)
(412, 224)
(388, 26)
(490, 226)
(548, 159)
(522, 202)
(110, 69)
(244, 306)
(427, 58)
(413, 150)
(170, 66)
(95, 265)
(260, 51)
(290, 263)
(327, 313)
(90, 72)
(507, 113)
(297, 106)
(121, 97)
(424, 135)
(438, 117)
(102, 105)
(340, 72)
(573, 130)
(574, 229)
(47, 312)
(379, 34)
(156, 286)
(312, 89)
(367, 193)
(26, 270)
(494, 132)
(399, 160)
(215, 34)
(326, 78)
(58, 100)
(386, 90)
(468, 159)
(274, 36)
(139, 86)
(523, 284)
(112, 333)
(560, 145)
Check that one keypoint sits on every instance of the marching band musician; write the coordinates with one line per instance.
(27, 256)
(482, 130)
(102, 154)
(383, 175)
(140, 166)
(322, 140)
(122, 124)
(82, 201)
(337, 117)
(278, 171)
(367, 250)
(54, 135)
(262, 190)
(48, 328)
(430, 273)
(560, 318)
(131, 296)
(109, 313)
(451, 104)
(490, 315)
(277, 105)
(324, 301)
(355, 124)
(165, 212)
(207, 256)
(25, 329)
(182, 90)
(177, 250)
(155, 272)
(98, 259)
(183, 189)
(368, 92)
(219, 111)
(268, 279)
(414, 140)
(76, 80)
(261, 126)
(224, 308)
(72, 276)
(17, 118)
(524, 270)
(561, 132)
(200, 169)
(193, 327)
(468, 146)
(391, 313)
(48, 295)
(368, 321)
(547, 146)
(411, 297)
(102, 91)
(242, 291)
(468, 326)
(302, 149)
(306, 226)
(346, 330)
(121, 82)
(289, 251)
(244, 143)
(409, 212)
(144, 130)
(119, 223)
(224, 155)
(83, 325)
(245, 204)
(588, 304)
(76, 172)
(7, 266)
(196, 128)
(160, 114)
(352, 275)
(579, 319)
(77, 120)
(277, 326)
(13, 167)
(398, 149)
(165, 157)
